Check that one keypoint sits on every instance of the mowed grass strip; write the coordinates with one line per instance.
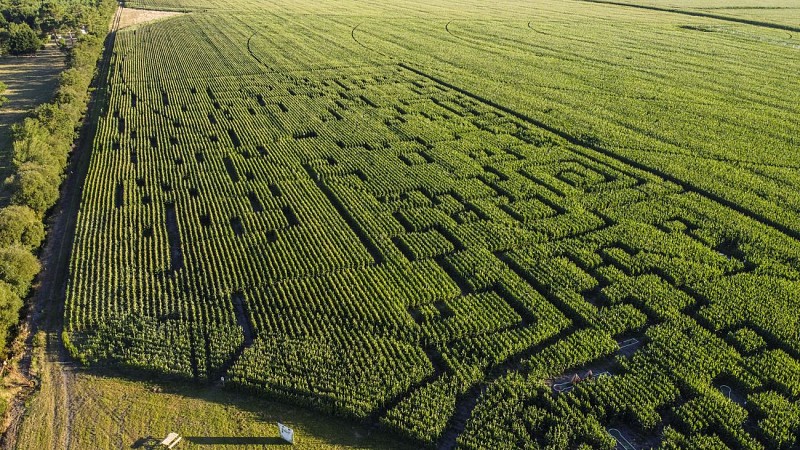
(111, 412)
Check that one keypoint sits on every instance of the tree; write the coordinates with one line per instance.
(30, 143)
(51, 15)
(35, 186)
(19, 225)
(18, 267)
(3, 88)
(10, 304)
(22, 40)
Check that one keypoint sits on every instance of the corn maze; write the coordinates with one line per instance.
(273, 201)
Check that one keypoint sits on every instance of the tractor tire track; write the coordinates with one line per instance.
(684, 12)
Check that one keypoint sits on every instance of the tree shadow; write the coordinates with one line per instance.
(149, 442)
(146, 443)
(329, 428)
(235, 440)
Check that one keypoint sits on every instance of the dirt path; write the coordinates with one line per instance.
(46, 312)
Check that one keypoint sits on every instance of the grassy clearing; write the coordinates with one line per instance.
(112, 412)
(31, 81)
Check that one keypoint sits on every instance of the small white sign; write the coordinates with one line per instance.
(287, 434)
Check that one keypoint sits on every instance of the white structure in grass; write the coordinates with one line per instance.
(287, 434)
(171, 440)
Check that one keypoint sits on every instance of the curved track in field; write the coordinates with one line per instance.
(252, 53)
(353, 36)
(757, 23)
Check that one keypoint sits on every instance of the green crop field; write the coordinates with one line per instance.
(559, 224)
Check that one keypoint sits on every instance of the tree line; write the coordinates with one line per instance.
(41, 146)
(26, 24)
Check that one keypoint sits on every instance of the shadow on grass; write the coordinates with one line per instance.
(145, 443)
(234, 440)
(332, 430)
(149, 442)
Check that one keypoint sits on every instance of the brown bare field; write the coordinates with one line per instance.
(131, 17)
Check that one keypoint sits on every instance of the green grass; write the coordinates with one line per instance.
(112, 412)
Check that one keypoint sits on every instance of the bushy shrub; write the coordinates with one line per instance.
(22, 40)
(20, 225)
